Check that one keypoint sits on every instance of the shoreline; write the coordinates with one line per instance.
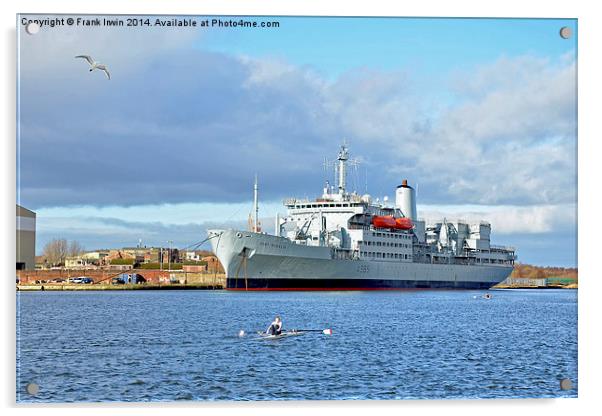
(571, 286)
(195, 286)
(101, 287)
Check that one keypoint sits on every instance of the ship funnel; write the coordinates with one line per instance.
(405, 200)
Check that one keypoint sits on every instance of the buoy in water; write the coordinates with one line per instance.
(241, 333)
(486, 296)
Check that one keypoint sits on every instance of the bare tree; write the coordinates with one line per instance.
(75, 248)
(56, 251)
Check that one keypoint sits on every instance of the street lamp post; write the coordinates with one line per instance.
(169, 256)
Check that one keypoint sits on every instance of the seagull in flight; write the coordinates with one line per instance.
(95, 65)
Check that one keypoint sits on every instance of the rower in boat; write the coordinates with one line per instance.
(275, 327)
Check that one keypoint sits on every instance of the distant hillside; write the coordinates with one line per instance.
(537, 272)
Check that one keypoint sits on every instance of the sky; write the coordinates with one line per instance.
(478, 114)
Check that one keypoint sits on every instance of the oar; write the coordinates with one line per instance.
(327, 331)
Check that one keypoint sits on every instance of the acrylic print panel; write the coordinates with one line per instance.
(425, 249)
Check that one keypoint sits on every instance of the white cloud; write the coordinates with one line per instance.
(507, 137)
(536, 219)
(505, 219)
(523, 98)
(166, 214)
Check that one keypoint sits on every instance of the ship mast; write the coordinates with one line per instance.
(343, 157)
(255, 206)
(340, 172)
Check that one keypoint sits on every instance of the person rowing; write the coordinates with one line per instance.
(275, 327)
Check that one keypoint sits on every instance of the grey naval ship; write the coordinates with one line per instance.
(346, 241)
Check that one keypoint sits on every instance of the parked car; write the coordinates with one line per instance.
(57, 280)
(80, 279)
(128, 278)
(118, 281)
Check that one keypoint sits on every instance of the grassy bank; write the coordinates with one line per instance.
(571, 286)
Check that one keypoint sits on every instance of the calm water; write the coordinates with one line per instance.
(184, 345)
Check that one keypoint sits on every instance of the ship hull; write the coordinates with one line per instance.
(309, 284)
(254, 261)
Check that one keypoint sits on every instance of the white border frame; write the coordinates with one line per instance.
(589, 68)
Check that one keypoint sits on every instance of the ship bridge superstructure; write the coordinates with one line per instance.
(356, 227)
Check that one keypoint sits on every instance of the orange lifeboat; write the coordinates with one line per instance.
(403, 223)
(390, 222)
(384, 222)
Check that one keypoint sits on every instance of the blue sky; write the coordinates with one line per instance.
(336, 45)
(479, 113)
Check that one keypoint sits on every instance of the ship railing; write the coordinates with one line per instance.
(501, 248)
(355, 226)
(293, 201)
(465, 261)
(359, 227)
